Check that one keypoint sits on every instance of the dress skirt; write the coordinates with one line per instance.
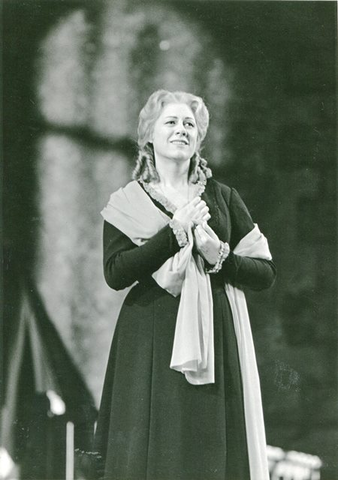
(153, 424)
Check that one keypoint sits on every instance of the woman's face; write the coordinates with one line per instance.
(175, 133)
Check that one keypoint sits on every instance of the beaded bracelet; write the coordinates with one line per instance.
(179, 232)
(223, 253)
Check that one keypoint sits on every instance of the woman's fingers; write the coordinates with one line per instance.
(200, 209)
(202, 219)
(199, 229)
(195, 201)
(194, 212)
(207, 246)
(201, 234)
(209, 230)
(206, 233)
(197, 211)
(203, 212)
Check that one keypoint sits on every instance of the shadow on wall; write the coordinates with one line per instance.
(47, 409)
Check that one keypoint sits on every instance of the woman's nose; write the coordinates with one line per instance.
(181, 130)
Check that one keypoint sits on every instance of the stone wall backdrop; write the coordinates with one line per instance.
(77, 73)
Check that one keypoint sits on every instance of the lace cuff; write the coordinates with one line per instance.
(222, 255)
(179, 232)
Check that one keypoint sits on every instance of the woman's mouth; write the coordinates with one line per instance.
(179, 142)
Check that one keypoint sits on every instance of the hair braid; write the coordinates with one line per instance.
(199, 170)
(145, 167)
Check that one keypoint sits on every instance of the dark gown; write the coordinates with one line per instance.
(153, 424)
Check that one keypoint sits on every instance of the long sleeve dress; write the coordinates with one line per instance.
(153, 424)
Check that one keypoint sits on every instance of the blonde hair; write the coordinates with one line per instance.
(145, 169)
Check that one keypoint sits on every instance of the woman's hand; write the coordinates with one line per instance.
(193, 213)
(207, 243)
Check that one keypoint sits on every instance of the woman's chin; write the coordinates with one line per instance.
(181, 157)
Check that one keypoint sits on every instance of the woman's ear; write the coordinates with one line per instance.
(151, 134)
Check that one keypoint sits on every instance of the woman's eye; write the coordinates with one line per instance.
(190, 124)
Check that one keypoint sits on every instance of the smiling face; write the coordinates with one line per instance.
(175, 133)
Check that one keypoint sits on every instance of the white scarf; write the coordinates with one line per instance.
(132, 211)
(255, 245)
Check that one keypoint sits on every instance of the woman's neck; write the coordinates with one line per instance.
(173, 174)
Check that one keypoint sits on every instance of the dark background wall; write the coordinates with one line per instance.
(272, 97)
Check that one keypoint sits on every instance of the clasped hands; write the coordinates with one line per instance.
(195, 215)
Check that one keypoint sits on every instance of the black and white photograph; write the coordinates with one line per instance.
(169, 240)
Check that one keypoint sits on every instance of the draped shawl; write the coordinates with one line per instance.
(132, 211)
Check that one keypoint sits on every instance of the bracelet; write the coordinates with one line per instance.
(179, 232)
(223, 253)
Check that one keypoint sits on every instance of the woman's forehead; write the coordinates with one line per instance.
(177, 110)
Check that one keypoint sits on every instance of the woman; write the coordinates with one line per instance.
(181, 397)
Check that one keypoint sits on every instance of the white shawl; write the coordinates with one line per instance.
(255, 245)
(132, 211)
